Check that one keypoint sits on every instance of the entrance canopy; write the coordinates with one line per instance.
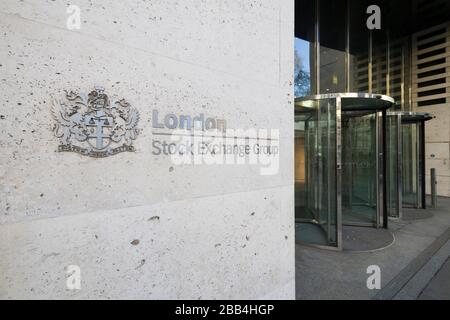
(413, 117)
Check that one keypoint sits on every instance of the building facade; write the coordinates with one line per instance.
(406, 58)
(93, 202)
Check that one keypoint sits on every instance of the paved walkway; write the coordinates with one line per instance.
(416, 266)
(439, 286)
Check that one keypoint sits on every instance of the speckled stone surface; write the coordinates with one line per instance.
(222, 231)
(359, 239)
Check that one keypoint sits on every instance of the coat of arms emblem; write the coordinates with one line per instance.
(93, 124)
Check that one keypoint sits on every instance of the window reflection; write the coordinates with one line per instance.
(302, 67)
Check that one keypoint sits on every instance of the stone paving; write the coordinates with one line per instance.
(416, 266)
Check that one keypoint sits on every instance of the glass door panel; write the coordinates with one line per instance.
(421, 198)
(410, 151)
(359, 182)
(315, 173)
(393, 189)
(327, 161)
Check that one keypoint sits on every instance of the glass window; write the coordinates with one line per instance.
(359, 49)
(302, 67)
(332, 28)
(379, 61)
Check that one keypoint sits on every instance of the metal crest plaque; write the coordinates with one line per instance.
(93, 125)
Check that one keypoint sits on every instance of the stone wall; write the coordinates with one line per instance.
(137, 225)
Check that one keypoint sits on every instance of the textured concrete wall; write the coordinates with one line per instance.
(222, 231)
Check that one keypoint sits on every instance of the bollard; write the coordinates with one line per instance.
(433, 188)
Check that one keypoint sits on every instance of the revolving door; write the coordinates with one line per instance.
(339, 165)
(409, 186)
